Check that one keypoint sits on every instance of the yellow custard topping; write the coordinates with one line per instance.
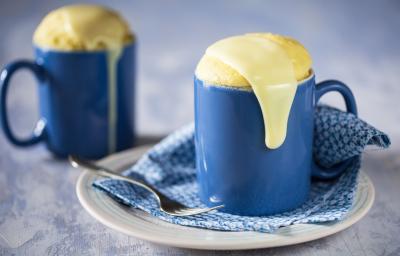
(262, 62)
(215, 72)
(82, 27)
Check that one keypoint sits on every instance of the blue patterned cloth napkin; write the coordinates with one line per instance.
(170, 167)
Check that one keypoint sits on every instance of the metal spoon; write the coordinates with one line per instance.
(166, 205)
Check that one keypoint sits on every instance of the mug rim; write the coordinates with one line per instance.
(249, 89)
(62, 51)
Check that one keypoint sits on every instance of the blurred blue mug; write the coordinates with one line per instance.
(236, 169)
(82, 111)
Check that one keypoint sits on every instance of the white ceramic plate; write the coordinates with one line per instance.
(139, 224)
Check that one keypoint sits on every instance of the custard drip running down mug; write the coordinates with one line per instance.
(235, 168)
(74, 102)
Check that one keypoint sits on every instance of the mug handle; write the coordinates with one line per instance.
(321, 89)
(38, 133)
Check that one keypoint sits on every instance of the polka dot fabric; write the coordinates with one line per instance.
(170, 166)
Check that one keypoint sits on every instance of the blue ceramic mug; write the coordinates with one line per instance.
(82, 111)
(236, 169)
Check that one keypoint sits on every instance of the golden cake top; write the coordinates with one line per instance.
(82, 27)
(214, 71)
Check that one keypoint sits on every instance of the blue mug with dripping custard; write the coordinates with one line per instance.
(234, 167)
(86, 101)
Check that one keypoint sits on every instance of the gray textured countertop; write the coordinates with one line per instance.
(354, 42)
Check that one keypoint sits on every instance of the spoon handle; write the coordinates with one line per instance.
(77, 162)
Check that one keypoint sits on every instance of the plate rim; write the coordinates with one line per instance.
(322, 231)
